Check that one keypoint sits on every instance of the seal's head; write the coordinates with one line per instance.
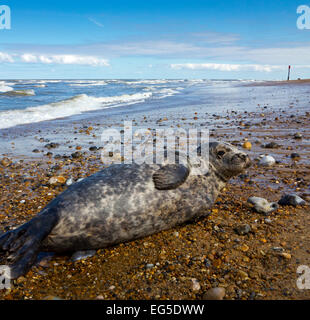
(227, 160)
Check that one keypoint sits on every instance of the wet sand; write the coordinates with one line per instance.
(249, 266)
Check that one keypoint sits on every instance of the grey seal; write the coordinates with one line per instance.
(120, 203)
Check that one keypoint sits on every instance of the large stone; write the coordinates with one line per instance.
(291, 200)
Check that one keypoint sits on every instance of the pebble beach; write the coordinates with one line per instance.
(250, 255)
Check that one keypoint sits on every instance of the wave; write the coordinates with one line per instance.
(33, 82)
(146, 82)
(19, 93)
(164, 92)
(5, 87)
(88, 83)
(167, 92)
(69, 107)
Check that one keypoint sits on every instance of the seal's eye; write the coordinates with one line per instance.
(220, 154)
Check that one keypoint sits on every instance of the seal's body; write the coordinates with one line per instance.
(121, 203)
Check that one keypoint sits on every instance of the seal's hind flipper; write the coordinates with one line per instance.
(170, 176)
(21, 246)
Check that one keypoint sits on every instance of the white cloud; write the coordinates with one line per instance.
(227, 67)
(64, 59)
(27, 57)
(96, 22)
(5, 57)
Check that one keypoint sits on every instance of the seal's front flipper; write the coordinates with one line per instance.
(21, 246)
(170, 176)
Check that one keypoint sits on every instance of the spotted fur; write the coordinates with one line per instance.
(121, 203)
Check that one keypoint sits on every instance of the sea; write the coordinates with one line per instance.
(31, 101)
(25, 102)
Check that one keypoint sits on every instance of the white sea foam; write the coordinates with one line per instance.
(151, 82)
(167, 92)
(163, 92)
(88, 83)
(5, 87)
(75, 105)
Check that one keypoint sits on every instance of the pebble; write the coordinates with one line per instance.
(20, 280)
(247, 145)
(195, 285)
(244, 248)
(267, 161)
(295, 155)
(80, 255)
(271, 145)
(149, 266)
(243, 274)
(214, 294)
(286, 255)
(57, 180)
(5, 162)
(261, 205)
(52, 145)
(242, 229)
(69, 182)
(207, 263)
(76, 155)
(291, 200)
(297, 135)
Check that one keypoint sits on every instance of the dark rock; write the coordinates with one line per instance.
(291, 200)
(207, 263)
(52, 145)
(271, 145)
(242, 229)
(243, 176)
(56, 167)
(295, 155)
(297, 136)
(76, 155)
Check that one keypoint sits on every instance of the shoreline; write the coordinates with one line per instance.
(279, 83)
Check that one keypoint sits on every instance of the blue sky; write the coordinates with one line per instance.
(154, 39)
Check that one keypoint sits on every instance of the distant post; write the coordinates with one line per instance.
(289, 71)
